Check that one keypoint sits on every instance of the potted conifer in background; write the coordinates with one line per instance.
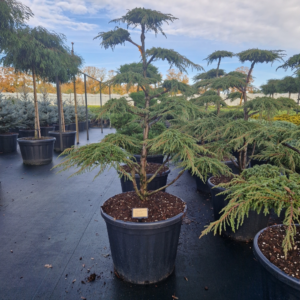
(10, 117)
(26, 108)
(144, 252)
(47, 114)
(35, 53)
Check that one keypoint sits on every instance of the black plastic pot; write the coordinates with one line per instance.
(231, 165)
(143, 253)
(26, 133)
(68, 140)
(159, 181)
(8, 142)
(45, 130)
(72, 126)
(202, 186)
(277, 284)
(36, 152)
(253, 224)
(158, 159)
(255, 162)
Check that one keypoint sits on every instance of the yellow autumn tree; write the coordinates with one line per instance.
(179, 76)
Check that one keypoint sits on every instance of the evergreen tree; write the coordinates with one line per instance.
(271, 87)
(10, 117)
(288, 85)
(47, 112)
(179, 147)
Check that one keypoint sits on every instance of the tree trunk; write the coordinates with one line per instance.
(63, 128)
(143, 177)
(290, 95)
(37, 128)
(76, 114)
(245, 91)
(218, 108)
(217, 73)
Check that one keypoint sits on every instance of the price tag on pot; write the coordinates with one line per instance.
(139, 213)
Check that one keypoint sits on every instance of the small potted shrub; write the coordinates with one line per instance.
(276, 248)
(26, 108)
(9, 118)
(48, 116)
(144, 248)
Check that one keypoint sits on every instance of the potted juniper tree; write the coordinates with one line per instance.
(144, 252)
(276, 248)
(36, 52)
(69, 64)
(9, 118)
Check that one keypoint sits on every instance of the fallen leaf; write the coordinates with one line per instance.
(206, 288)
(73, 280)
(83, 265)
(80, 258)
(174, 297)
(92, 257)
(48, 266)
(105, 255)
(82, 282)
(83, 298)
(186, 278)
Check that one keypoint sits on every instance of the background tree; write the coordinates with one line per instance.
(287, 85)
(271, 87)
(217, 56)
(255, 56)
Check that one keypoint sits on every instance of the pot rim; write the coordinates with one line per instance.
(68, 132)
(271, 268)
(49, 139)
(136, 225)
(9, 134)
(213, 185)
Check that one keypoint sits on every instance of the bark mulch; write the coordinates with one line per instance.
(220, 179)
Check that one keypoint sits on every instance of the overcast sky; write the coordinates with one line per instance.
(203, 26)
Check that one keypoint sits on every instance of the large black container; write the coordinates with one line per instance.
(159, 181)
(231, 165)
(26, 133)
(36, 152)
(8, 142)
(276, 284)
(45, 130)
(72, 126)
(157, 159)
(68, 140)
(254, 223)
(143, 253)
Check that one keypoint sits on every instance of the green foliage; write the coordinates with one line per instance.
(9, 116)
(47, 113)
(271, 87)
(260, 56)
(13, 14)
(151, 20)
(234, 95)
(92, 156)
(126, 142)
(229, 81)
(260, 189)
(288, 85)
(112, 38)
(218, 55)
(209, 74)
(173, 58)
(293, 63)
(152, 71)
(139, 99)
(26, 109)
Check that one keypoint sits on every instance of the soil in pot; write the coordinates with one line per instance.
(161, 206)
(251, 225)
(280, 276)
(159, 181)
(8, 142)
(270, 244)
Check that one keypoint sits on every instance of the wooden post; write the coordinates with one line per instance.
(101, 107)
(86, 110)
(59, 112)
